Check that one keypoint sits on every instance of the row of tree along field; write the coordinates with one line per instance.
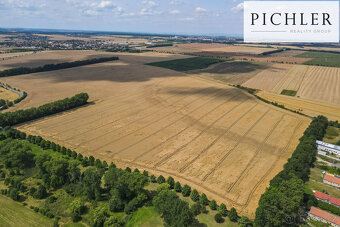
(284, 198)
(51, 67)
(21, 116)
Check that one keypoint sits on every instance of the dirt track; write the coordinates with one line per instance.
(216, 138)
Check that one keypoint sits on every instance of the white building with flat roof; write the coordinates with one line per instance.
(327, 147)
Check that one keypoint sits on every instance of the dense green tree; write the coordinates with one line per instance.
(218, 218)
(204, 200)
(222, 209)
(114, 221)
(20, 116)
(196, 208)
(153, 179)
(213, 205)
(77, 208)
(57, 168)
(160, 179)
(174, 211)
(171, 182)
(41, 192)
(194, 195)
(14, 194)
(116, 204)
(178, 187)
(244, 222)
(186, 190)
(232, 214)
(91, 183)
(98, 216)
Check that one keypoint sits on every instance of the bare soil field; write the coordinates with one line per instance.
(218, 139)
(48, 57)
(311, 82)
(8, 95)
(7, 56)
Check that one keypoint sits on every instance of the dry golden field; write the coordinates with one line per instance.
(306, 106)
(8, 95)
(224, 48)
(218, 139)
(316, 83)
(7, 56)
(28, 59)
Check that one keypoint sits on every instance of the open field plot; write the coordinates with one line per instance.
(41, 58)
(232, 72)
(316, 83)
(8, 95)
(321, 58)
(216, 138)
(187, 64)
(213, 47)
(14, 214)
(306, 106)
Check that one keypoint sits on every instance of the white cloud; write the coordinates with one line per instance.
(186, 19)
(200, 10)
(105, 4)
(148, 8)
(238, 8)
(175, 2)
(91, 12)
(175, 11)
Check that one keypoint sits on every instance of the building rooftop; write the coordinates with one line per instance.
(324, 196)
(325, 215)
(331, 178)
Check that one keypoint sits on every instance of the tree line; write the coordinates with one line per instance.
(285, 196)
(51, 67)
(20, 116)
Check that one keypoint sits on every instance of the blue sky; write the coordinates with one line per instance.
(154, 16)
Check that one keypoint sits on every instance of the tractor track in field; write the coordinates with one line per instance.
(169, 125)
(231, 150)
(258, 150)
(173, 136)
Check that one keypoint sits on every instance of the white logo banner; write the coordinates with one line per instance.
(291, 21)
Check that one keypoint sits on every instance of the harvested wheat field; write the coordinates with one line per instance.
(306, 106)
(224, 48)
(218, 139)
(30, 59)
(8, 95)
(316, 83)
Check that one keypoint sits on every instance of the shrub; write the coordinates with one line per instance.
(40, 193)
(222, 209)
(171, 182)
(77, 208)
(153, 179)
(244, 222)
(194, 195)
(178, 187)
(218, 218)
(196, 208)
(204, 200)
(213, 205)
(186, 190)
(232, 215)
(116, 204)
(160, 179)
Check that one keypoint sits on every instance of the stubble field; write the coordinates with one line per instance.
(30, 59)
(315, 83)
(216, 138)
